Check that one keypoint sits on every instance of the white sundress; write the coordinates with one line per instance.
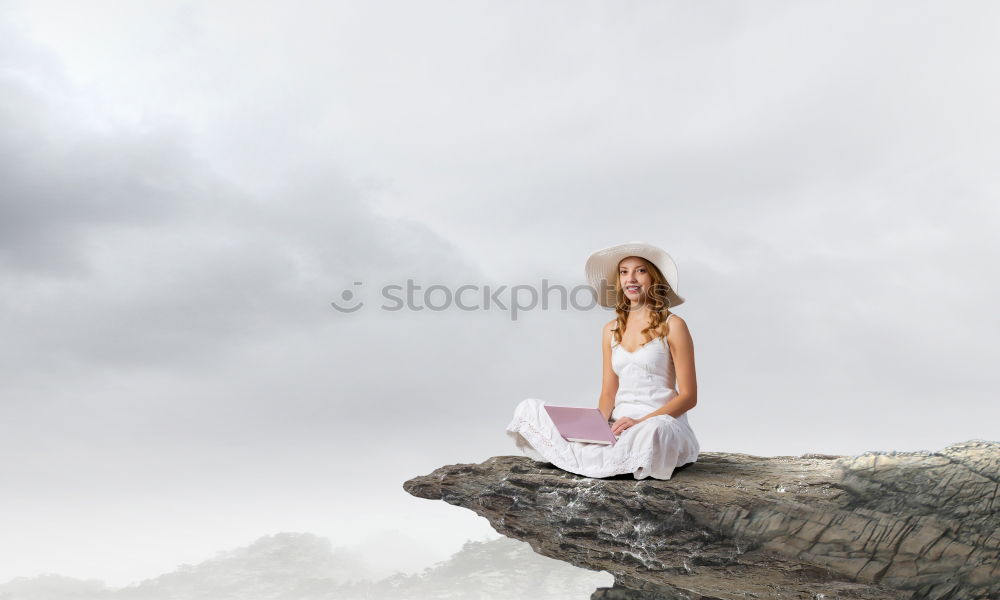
(651, 448)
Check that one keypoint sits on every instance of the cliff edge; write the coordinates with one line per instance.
(878, 525)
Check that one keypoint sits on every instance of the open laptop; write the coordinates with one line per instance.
(578, 424)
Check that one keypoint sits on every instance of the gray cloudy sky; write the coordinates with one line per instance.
(186, 186)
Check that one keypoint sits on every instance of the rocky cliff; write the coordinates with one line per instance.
(879, 525)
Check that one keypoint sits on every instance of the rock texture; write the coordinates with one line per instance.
(879, 525)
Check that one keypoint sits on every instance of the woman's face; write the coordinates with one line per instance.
(634, 278)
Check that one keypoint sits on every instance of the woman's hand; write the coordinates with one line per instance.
(624, 423)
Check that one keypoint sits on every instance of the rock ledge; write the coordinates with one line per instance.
(879, 525)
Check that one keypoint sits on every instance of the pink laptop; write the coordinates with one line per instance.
(578, 424)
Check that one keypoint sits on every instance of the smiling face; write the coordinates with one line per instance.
(634, 278)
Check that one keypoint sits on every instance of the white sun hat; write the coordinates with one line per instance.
(602, 270)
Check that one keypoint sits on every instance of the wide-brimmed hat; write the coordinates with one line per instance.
(602, 270)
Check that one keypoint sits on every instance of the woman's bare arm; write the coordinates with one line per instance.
(682, 351)
(609, 384)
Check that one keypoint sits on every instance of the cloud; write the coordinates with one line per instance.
(121, 246)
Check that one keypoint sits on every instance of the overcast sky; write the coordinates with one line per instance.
(187, 186)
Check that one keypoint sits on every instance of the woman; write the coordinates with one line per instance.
(647, 352)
